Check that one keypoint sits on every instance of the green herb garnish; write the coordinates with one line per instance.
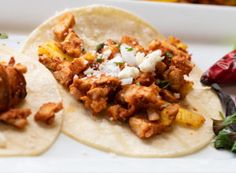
(3, 36)
(233, 149)
(99, 47)
(218, 125)
(169, 55)
(138, 83)
(223, 140)
(119, 63)
(129, 49)
(162, 83)
(225, 131)
(100, 59)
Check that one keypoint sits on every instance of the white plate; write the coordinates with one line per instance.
(209, 31)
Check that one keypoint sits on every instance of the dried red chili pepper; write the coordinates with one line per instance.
(222, 72)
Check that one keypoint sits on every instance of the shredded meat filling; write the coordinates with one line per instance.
(144, 128)
(78, 65)
(16, 117)
(46, 112)
(117, 112)
(140, 96)
(133, 43)
(12, 85)
(168, 96)
(80, 86)
(135, 98)
(64, 75)
(175, 77)
(147, 103)
(182, 63)
(168, 46)
(72, 45)
(145, 79)
(50, 63)
(61, 29)
(95, 94)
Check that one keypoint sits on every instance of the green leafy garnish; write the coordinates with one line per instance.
(138, 83)
(169, 55)
(99, 47)
(226, 134)
(3, 36)
(119, 63)
(233, 149)
(218, 125)
(162, 83)
(99, 59)
(129, 49)
(230, 120)
(223, 140)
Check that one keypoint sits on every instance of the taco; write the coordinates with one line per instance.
(126, 89)
(29, 99)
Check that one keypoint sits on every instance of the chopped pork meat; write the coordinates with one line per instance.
(16, 117)
(46, 112)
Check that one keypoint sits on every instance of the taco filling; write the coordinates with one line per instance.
(12, 93)
(139, 86)
(30, 120)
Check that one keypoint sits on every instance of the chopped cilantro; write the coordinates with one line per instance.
(119, 63)
(169, 55)
(99, 59)
(99, 47)
(162, 83)
(3, 36)
(129, 49)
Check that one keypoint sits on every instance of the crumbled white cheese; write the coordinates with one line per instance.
(149, 63)
(117, 58)
(3, 140)
(109, 68)
(126, 81)
(128, 72)
(106, 53)
(128, 54)
(139, 58)
(88, 71)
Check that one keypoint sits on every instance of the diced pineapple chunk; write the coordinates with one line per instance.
(177, 43)
(187, 118)
(89, 57)
(51, 50)
(186, 88)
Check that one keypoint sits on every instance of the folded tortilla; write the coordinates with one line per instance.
(41, 87)
(96, 24)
